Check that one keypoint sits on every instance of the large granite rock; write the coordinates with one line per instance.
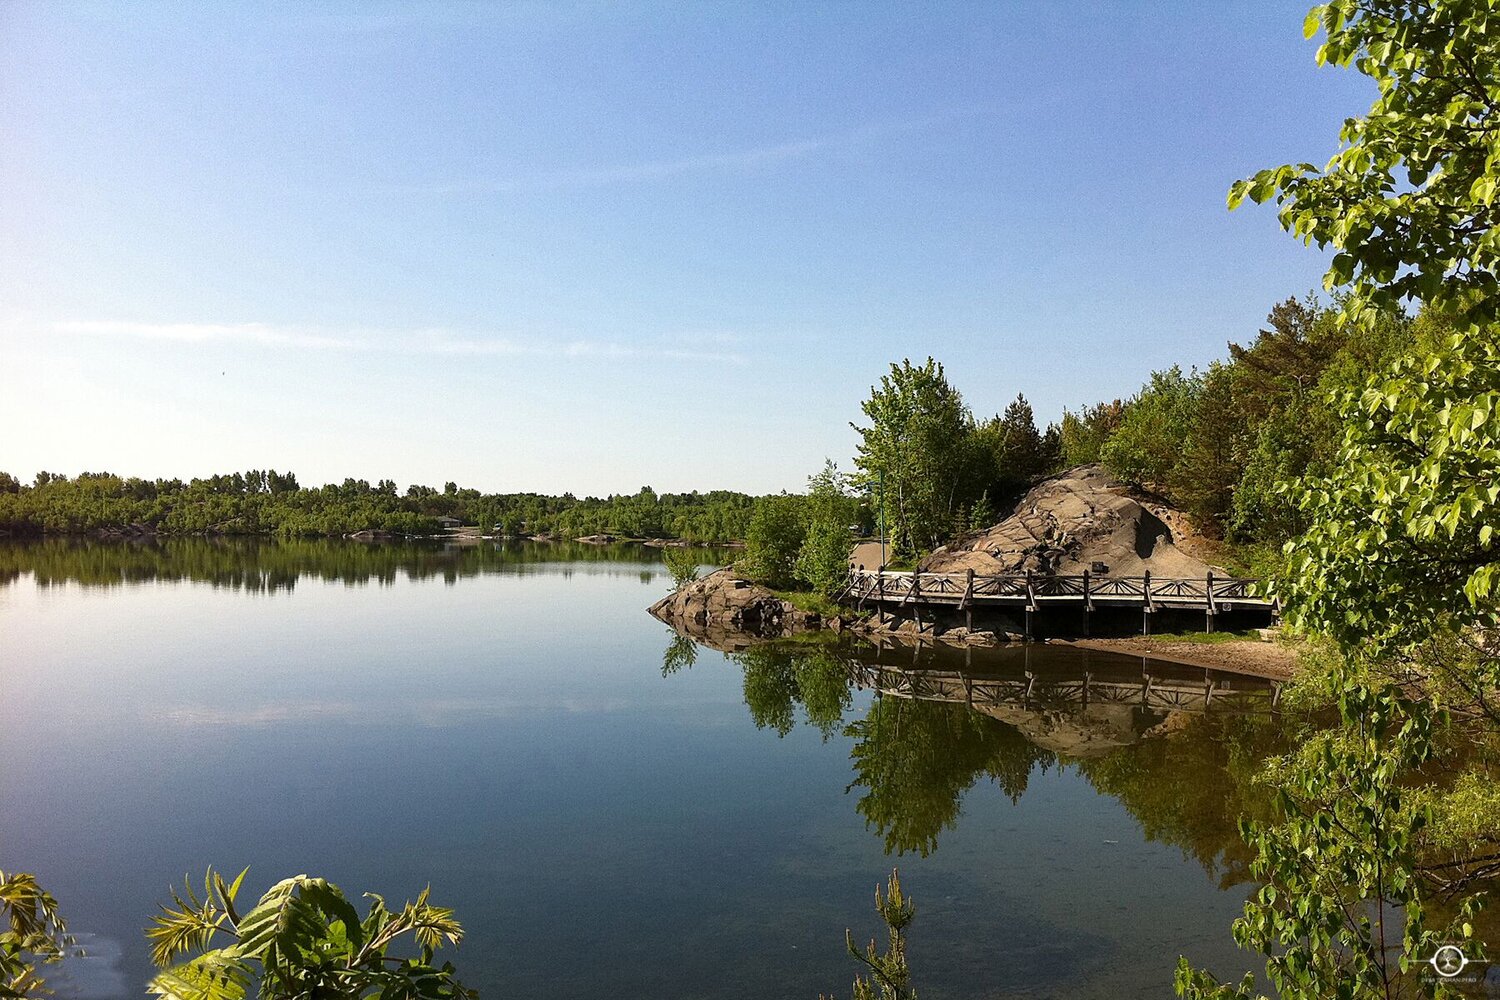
(726, 600)
(1080, 519)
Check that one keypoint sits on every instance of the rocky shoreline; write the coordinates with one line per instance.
(726, 601)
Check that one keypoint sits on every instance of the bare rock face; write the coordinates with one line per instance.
(1080, 519)
(725, 600)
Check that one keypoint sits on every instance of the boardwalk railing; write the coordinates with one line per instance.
(1217, 691)
(1030, 591)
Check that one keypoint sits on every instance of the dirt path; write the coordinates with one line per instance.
(1245, 656)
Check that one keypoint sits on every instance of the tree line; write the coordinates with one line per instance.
(1218, 443)
(266, 502)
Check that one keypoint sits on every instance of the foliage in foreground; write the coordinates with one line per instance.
(1403, 533)
(302, 939)
(1383, 848)
(32, 933)
(1341, 909)
(888, 977)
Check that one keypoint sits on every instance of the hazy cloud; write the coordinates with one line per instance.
(424, 341)
(649, 170)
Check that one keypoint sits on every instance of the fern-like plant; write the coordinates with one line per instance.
(32, 933)
(303, 939)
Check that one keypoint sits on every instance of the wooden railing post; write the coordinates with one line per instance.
(914, 593)
(1211, 611)
(880, 595)
(1088, 605)
(968, 601)
(1146, 610)
(1030, 604)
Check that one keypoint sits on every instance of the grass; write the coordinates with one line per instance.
(807, 600)
(1206, 638)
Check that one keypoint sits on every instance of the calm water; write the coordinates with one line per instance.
(611, 809)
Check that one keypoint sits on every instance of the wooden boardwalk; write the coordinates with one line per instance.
(1220, 691)
(895, 592)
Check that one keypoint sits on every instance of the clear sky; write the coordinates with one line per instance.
(557, 247)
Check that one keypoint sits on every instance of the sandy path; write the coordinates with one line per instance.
(1245, 656)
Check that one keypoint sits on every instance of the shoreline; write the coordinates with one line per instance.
(1256, 657)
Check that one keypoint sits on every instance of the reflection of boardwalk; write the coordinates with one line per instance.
(964, 592)
(1157, 688)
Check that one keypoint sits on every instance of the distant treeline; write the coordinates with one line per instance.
(1215, 442)
(272, 503)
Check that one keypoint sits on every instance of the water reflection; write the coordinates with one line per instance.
(549, 756)
(261, 565)
(1176, 745)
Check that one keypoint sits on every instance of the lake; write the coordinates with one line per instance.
(611, 809)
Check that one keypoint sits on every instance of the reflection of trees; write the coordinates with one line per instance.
(255, 564)
(778, 677)
(681, 653)
(1191, 788)
(915, 760)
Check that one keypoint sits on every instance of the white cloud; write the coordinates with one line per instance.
(199, 333)
(650, 170)
(423, 341)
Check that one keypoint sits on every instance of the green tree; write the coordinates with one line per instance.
(302, 939)
(777, 530)
(1341, 912)
(823, 560)
(1403, 540)
(1083, 434)
(888, 977)
(682, 563)
(1398, 564)
(1409, 202)
(1203, 478)
(1150, 439)
(1020, 452)
(918, 440)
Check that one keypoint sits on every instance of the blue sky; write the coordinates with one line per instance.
(591, 247)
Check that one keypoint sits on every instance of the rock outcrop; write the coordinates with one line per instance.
(725, 600)
(905, 629)
(1080, 519)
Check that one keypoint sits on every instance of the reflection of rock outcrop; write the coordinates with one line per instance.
(1072, 521)
(730, 612)
(1088, 731)
(945, 718)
